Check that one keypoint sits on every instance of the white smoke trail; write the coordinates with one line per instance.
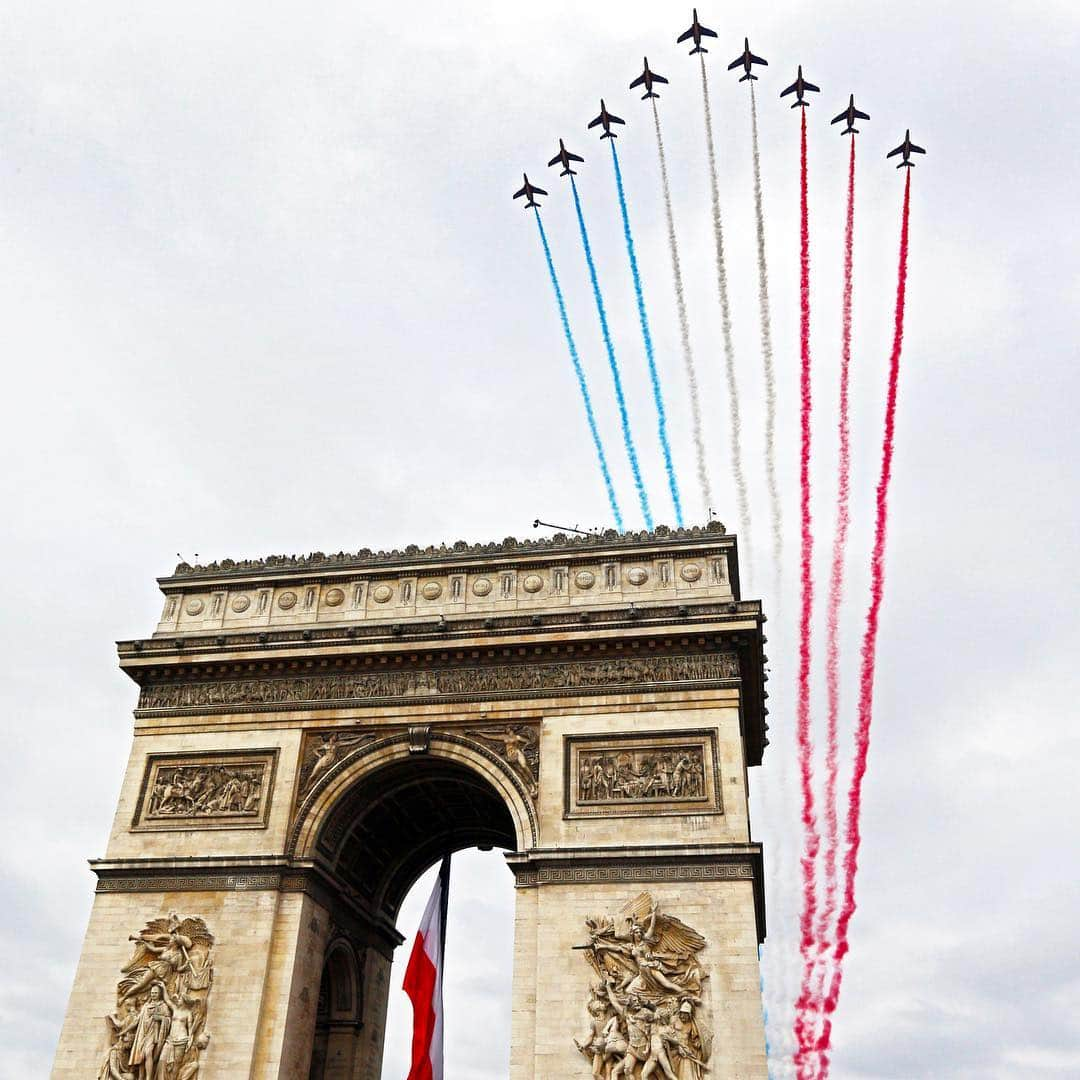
(684, 322)
(742, 496)
(767, 358)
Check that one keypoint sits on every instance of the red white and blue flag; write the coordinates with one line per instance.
(424, 983)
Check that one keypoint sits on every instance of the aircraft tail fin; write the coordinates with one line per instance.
(650, 94)
(697, 49)
(748, 76)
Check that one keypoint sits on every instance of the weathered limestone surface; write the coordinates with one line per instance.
(311, 734)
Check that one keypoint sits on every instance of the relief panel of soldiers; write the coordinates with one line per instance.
(206, 790)
(641, 774)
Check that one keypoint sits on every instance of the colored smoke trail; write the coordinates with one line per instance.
(616, 378)
(742, 496)
(807, 918)
(852, 835)
(684, 322)
(767, 356)
(583, 386)
(813, 981)
(646, 335)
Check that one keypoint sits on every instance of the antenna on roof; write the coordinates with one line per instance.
(565, 528)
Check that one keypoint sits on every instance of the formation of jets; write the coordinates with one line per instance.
(747, 60)
(907, 148)
(798, 88)
(563, 158)
(647, 78)
(697, 32)
(606, 119)
(529, 191)
(850, 114)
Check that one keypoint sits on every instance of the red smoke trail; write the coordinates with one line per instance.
(853, 837)
(814, 980)
(802, 712)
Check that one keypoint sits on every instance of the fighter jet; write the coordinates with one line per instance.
(607, 119)
(850, 114)
(529, 191)
(746, 60)
(697, 32)
(646, 79)
(907, 148)
(798, 88)
(564, 157)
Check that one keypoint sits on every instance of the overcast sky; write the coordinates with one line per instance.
(265, 290)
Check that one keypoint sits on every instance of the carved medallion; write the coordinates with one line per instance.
(648, 773)
(690, 572)
(334, 597)
(481, 586)
(159, 1027)
(381, 593)
(584, 579)
(218, 790)
(286, 600)
(431, 590)
(241, 603)
(194, 606)
(646, 1009)
(533, 583)
(637, 576)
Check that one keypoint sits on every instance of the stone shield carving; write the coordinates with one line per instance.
(645, 1005)
(158, 1031)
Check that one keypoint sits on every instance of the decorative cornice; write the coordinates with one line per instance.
(632, 866)
(365, 557)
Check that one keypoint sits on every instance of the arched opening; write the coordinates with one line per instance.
(378, 825)
(398, 820)
(338, 1014)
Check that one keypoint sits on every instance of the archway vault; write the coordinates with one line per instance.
(389, 810)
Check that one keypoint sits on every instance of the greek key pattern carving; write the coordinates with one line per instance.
(629, 874)
(188, 883)
(629, 673)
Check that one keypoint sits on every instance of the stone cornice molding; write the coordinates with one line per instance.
(643, 865)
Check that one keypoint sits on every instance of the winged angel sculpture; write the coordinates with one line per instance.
(644, 1012)
(158, 1031)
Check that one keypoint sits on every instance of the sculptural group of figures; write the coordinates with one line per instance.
(644, 1012)
(206, 790)
(158, 1031)
(633, 775)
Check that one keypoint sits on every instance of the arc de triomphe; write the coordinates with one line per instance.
(312, 733)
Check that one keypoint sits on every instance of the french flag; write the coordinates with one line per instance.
(424, 982)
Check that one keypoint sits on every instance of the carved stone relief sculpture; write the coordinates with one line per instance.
(520, 749)
(213, 790)
(645, 1009)
(322, 751)
(647, 773)
(158, 1031)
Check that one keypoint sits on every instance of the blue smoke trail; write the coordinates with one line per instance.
(765, 1014)
(583, 386)
(646, 334)
(624, 417)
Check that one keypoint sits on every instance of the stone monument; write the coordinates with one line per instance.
(312, 733)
